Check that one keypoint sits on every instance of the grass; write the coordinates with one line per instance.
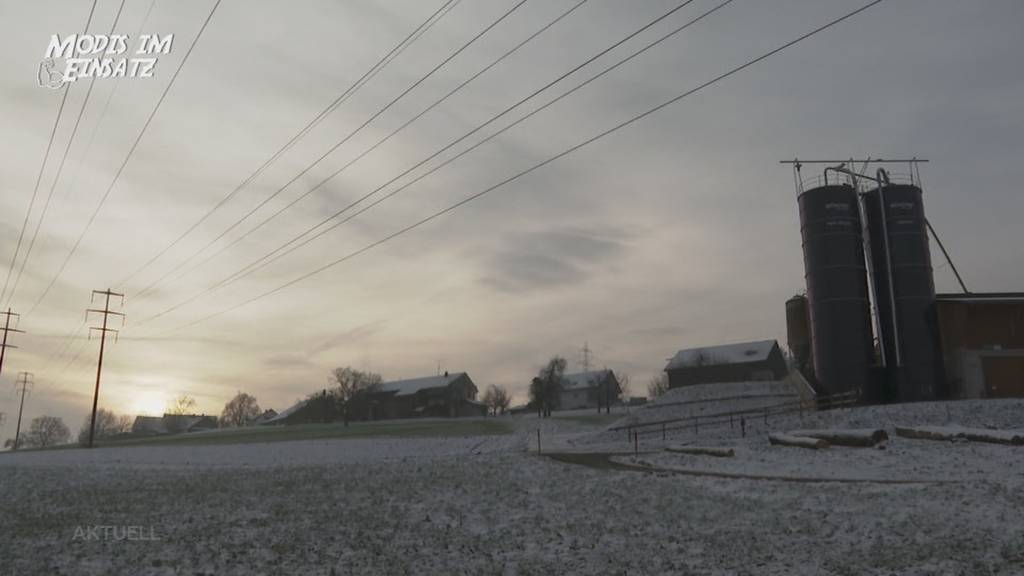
(383, 429)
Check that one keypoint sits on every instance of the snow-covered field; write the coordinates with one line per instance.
(488, 505)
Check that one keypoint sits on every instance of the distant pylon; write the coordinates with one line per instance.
(586, 357)
(106, 312)
(25, 381)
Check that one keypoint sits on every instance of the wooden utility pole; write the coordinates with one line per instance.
(106, 312)
(7, 328)
(25, 381)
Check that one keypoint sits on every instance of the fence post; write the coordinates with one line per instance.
(743, 426)
(730, 422)
(696, 425)
(662, 431)
(766, 415)
(636, 445)
(538, 440)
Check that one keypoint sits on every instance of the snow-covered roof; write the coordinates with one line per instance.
(737, 353)
(414, 385)
(581, 380)
(284, 414)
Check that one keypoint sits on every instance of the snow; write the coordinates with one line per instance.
(581, 380)
(414, 385)
(795, 441)
(489, 505)
(1015, 437)
(737, 353)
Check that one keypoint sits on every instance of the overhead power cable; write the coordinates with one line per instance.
(337, 145)
(295, 243)
(531, 169)
(380, 142)
(338, 101)
(39, 179)
(259, 263)
(60, 166)
(131, 151)
(103, 112)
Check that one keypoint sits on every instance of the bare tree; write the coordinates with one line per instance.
(351, 388)
(107, 424)
(545, 389)
(239, 411)
(657, 386)
(497, 399)
(46, 431)
(611, 395)
(183, 404)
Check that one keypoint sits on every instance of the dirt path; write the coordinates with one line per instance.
(603, 461)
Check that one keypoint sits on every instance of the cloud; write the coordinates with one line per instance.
(549, 258)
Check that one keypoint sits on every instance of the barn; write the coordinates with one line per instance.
(738, 362)
(447, 395)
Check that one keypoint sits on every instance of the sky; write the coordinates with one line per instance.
(680, 230)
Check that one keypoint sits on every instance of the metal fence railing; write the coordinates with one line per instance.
(735, 417)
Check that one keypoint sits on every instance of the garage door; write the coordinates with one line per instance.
(1004, 376)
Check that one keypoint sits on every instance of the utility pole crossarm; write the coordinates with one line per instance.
(106, 312)
(7, 329)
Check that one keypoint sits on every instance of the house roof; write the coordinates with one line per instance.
(284, 414)
(149, 424)
(582, 380)
(414, 385)
(738, 353)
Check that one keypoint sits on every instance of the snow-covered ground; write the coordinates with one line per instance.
(489, 505)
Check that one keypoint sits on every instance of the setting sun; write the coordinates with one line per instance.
(149, 403)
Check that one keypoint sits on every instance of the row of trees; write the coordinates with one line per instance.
(43, 432)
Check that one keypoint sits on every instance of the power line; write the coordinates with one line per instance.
(103, 113)
(388, 137)
(535, 167)
(338, 101)
(63, 159)
(39, 178)
(276, 253)
(131, 151)
(26, 381)
(57, 355)
(7, 329)
(337, 145)
(88, 148)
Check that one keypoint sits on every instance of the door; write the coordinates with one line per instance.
(1004, 376)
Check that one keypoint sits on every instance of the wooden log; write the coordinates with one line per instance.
(861, 438)
(702, 451)
(921, 434)
(780, 439)
(1009, 437)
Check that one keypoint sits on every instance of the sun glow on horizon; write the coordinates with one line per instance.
(149, 403)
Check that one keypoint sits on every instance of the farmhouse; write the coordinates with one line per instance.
(448, 395)
(594, 389)
(740, 362)
(173, 424)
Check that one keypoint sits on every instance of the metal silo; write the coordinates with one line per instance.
(905, 290)
(798, 334)
(837, 288)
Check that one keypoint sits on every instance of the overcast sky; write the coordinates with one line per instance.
(678, 231)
